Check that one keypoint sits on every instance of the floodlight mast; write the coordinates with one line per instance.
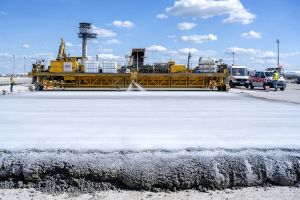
(278, 43)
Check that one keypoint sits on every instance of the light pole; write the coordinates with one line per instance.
(24, 65)
(137, 60)
(127, 59)
(232, 58)
(278, 42)
(14, 64)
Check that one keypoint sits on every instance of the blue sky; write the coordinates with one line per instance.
(169, 29)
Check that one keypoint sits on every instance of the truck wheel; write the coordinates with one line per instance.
(251, 86)
(282, 89)
(247, 86)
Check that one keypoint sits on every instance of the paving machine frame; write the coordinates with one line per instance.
(182, 81)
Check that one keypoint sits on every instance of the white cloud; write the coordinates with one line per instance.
(157, 48)
(25, 46)
(124, 24)
(186, 51)
(162, 16)
(69, 44)
(112, 41)
(266, 54)
(254, 60)
(199, 38)
(243, 51)
(252, 35)
(260, 55)
(196, 52)
(272, 54)
(105, 56)
(186, 26)
(172, 52)
(106, 50)
(210, 8)
(2, 12)
(103, 32)
(271, 61)
(260, 61)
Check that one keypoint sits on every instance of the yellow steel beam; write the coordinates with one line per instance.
(176, 80)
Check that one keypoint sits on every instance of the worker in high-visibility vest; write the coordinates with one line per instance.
(12, 83)
(276, 77)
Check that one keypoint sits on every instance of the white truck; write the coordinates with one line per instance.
(239, 76)
(265, 78)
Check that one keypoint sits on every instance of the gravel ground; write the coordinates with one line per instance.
(251, 193)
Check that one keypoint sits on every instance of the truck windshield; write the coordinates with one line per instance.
(269, 74)
(239, 72)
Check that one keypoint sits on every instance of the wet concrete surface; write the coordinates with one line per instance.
(74, 171)
(291, 94)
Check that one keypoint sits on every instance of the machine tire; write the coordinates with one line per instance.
(247, 86)
(38, 87)
(226, 87)
(282, 89)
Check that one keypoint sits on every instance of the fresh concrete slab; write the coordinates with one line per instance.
(112, 121)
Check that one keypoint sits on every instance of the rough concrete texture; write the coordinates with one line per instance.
(57, 171)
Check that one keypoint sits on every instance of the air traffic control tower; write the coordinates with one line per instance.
(86, 32)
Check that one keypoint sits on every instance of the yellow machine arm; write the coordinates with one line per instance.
(62, 51)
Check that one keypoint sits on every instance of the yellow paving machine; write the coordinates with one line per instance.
(78, 73)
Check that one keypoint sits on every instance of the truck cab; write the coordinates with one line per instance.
(238, 76)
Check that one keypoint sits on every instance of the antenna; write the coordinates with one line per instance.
(86, 32)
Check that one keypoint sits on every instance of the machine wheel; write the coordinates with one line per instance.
(251, 86)
(38, 87)
(226, 87)
(34, 80)
(247, 86)
(282, 89)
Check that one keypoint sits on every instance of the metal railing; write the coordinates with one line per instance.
(7, 83)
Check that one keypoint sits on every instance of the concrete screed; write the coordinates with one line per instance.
(89, 141)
